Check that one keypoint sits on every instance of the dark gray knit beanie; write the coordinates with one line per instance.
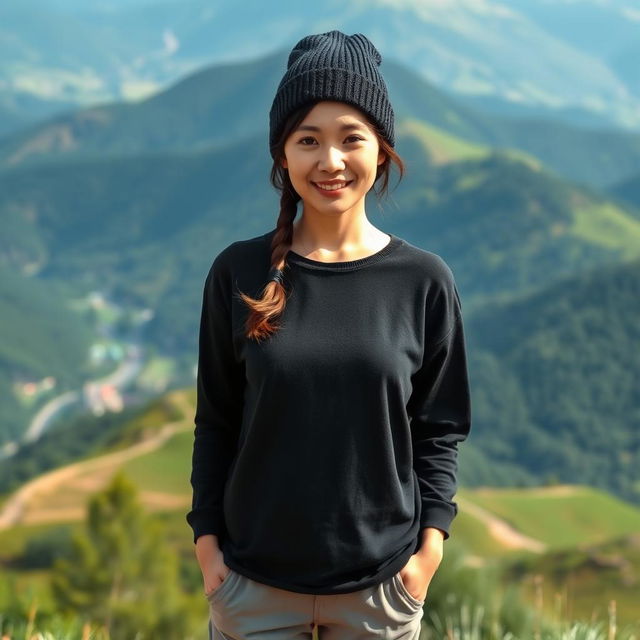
(333, 66)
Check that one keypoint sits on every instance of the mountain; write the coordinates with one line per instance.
(142, 227)
(44, 346)
(19, 110)
(140, 231)
(506, 224)
(222, 104)
(212, 107)
(145, 230)
(55, 54)
(555, 376)
(627, 190)
(518, 54)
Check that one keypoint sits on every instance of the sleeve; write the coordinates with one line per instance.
(440, 407)
(220, 384)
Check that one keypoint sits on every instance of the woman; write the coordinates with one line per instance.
(332, 383)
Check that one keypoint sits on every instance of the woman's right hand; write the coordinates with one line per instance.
(211, 561)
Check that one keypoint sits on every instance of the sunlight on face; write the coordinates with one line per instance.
(334, 142)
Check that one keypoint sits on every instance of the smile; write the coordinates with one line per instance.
(333, 188)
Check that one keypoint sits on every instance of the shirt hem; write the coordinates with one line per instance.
(387, 572)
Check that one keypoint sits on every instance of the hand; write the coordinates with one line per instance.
(422, 566)
(211, 561)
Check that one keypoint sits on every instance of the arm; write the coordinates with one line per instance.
(440, 411)
(220, 390)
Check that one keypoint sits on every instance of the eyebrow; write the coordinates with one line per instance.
(345, 127)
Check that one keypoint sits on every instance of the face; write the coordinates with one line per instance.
(333, 143)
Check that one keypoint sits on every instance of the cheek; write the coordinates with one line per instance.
(300, 172)
(298, 175)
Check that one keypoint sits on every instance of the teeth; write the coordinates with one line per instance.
(332, 187)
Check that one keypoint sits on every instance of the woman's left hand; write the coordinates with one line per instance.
(422, 566)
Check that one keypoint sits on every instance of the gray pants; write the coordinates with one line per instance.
(243, 609)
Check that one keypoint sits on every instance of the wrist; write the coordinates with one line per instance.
(432, 543)
(207, 544)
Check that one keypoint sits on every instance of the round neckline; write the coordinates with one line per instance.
(345, 265)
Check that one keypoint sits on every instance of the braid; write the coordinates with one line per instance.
(264, 310)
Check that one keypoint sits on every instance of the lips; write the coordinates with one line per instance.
(331, 193)
(319, 185)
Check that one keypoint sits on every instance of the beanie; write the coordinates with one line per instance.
(333, 66)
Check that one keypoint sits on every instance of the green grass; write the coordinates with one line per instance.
(14, 540)
(607, 226)
(585, 579)
(472, 533)
(165, 469)
(443, 147)
(588, 516)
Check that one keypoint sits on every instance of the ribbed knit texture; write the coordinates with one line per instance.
(333, 66)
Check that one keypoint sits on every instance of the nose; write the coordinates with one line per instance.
(331, 160)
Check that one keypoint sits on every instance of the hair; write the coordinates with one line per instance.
(263, 311)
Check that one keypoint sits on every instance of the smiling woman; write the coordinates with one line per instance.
(330, 407)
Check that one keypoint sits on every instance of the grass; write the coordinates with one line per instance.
(584, 516)
(165, 469)
(468, 624)
(608, 226)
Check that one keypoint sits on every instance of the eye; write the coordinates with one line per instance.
(353, 137)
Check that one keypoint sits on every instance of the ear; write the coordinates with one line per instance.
(284, 163)
(382, 156)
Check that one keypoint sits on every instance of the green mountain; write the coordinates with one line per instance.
(555, 381)
(144, 228)
(506, 223)
(583, 70)
(41, 337)
(224, 103)
(628, 190)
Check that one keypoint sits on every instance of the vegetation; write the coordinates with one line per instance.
(118, 575)
(41, 336)
(557, 372)
(554, 386)
(548, 273)
(463, 603)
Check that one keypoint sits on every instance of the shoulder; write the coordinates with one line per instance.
(245, 253)
(428, 266)
(434, 279)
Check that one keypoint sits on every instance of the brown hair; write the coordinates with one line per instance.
(263, 311)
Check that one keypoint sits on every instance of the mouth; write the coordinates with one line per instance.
(332, 189)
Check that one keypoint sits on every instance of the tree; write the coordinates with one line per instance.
(119, 571)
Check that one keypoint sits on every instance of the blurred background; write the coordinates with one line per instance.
(134, 147)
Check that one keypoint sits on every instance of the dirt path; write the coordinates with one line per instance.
(90, 475)
(502, 531)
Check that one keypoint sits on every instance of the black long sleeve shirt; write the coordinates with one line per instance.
(322, 452)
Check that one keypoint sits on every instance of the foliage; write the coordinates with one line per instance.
(120, 572)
